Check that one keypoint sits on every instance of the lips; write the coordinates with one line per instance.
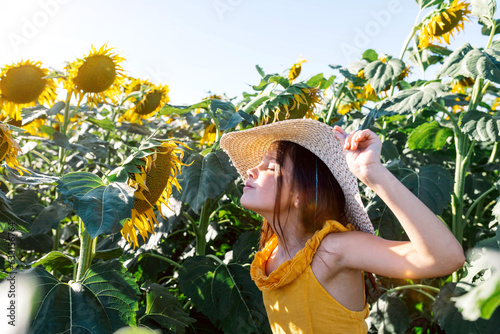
(247, 186)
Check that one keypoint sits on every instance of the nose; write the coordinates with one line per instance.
(252, 172)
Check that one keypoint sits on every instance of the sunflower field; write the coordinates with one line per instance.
(119, 212)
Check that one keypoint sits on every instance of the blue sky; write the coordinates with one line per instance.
(197, 46)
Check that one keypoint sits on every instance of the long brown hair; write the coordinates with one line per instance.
(321, 197)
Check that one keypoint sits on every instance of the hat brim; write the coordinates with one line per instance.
(246, 149)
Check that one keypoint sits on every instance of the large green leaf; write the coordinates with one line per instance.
(34, 178)
(380, 74)
(429, 136)
(8, 216)
(481, 126)
(452, 67)
(411, 100)
(50, 217)
(225, 293)
(227, 115)
(389, 315)
(450, 319)
(205, 177)
(56, 261)
(484, 10)
(170, 109)
(101, 207)
(433, 185)
(103, 302)
(472, 62)
(484, 298)
(245, 247)
(164, 309)
(482, 64)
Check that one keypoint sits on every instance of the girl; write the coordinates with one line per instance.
(316, 238)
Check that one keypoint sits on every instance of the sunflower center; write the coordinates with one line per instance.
(149, 103)
(448, 24)
(96, 74)
(22, 84)
(156, 180)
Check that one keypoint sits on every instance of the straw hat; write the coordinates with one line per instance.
(246, 149)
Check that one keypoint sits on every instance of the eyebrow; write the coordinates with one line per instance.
(269, 157)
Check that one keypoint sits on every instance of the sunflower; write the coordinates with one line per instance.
(295, 70)
(157, 171)
(348, 107)
(209, 135)
(23, 85)
(155, 97)
(97, 76)
(10, 149)
(297, 103)
(443, 23)
(459, 85)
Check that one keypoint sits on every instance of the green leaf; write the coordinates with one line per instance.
(7, 215)
(433, 185)
(226, 113)
(452, 66)
(260, 70)
(163, 308)
(429, 136)
(486, 29)
(246, 246)
(484, 10)
(450, 319)
(389, 315)
(483, 64)
(32, 179)
(104, 123)
(319, 81)
(170, 109)
(484, 298)
(205, 178)
(101, 207)
(103, 302)
(56, 261)
(225, 294)
(50, 217)
(380, 75)
(481, 126)
(370, 55)
(414, 99)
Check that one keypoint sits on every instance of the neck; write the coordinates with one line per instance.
(291, 236)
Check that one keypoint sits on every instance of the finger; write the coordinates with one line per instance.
(340, 134)
(362, 135)
(348, 141)
(339, 129)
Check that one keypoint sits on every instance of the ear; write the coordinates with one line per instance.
(296, 200)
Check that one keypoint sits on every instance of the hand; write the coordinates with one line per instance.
(361, 150)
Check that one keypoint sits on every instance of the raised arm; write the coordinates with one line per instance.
(432, 250)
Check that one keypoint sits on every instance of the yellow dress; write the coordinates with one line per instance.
(295, 301)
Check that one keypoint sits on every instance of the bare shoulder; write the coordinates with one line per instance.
(342, 242)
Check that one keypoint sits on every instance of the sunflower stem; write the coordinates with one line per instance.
(417, 287)
(257, 101)
(492, 33)
(87, 252)
(493, 153)
(160, 257)
(477, 201)
(334, 104)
